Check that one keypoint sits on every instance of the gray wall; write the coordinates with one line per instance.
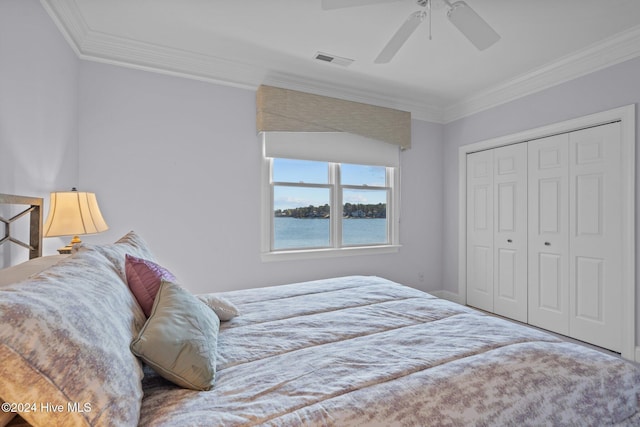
(179, 161)
(38, 112)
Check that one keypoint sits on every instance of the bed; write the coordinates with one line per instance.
(346, 351)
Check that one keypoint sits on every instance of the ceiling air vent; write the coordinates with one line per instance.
(333, 59)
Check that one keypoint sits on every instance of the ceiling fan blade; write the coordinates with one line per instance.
(400, 37)
(472, 25)
(339, 4)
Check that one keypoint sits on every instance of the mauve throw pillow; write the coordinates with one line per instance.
(144, 278)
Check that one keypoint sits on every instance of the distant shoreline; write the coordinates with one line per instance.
(349, 210)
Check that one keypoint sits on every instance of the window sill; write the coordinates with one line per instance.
(328, 253)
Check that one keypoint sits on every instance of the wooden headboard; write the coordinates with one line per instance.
(33, 208)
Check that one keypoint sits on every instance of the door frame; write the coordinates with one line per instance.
(627, 117)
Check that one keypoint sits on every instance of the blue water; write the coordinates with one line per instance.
(290, 233)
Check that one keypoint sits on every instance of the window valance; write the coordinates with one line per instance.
(284, 110)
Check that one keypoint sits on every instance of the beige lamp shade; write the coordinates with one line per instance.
(72, 213)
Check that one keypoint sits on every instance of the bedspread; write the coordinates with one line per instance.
(366, 351)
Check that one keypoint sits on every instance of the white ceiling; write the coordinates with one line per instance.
(251, 42)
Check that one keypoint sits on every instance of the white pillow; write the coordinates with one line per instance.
(23, 271)
(65, 339)
(224, 309)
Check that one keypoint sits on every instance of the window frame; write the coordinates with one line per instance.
(337, 249)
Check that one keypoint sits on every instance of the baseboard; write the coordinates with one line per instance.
(451, 296)
(638, 354)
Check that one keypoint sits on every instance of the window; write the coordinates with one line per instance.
(316, 206)
(365, 193)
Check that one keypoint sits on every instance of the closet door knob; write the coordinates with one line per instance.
(509, 240)
(547, 244)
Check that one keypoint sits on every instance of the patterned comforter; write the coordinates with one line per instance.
(364, 351)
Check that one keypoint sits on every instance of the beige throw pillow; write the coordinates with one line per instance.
(179, 339)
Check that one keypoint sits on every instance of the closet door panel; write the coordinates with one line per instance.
(550, 293)
(480, 230)
(548, 237)
(510, 231)
(595, 236)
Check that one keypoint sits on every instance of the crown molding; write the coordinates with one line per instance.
(419, 110)
(106, 48)
(67, 18)
(96, 46)
(614, 50)
(92, 45)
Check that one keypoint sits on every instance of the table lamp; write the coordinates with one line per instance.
(72, 213)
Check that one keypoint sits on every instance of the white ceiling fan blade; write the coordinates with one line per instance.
(472, 25)
(339, 4)
(400, 37)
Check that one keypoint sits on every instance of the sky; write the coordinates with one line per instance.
(285, 170)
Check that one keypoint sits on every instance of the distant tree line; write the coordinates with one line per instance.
(349, 210)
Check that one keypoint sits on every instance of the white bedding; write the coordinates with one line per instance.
(366, 351)
(22, 271)
(352, 351)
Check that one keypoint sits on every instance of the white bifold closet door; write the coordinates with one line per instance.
(510, 232)
(548, 159)
(575, 221)
(480, 230)
(497, 231)
(595, 218)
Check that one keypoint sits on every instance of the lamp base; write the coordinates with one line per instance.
(67, 249)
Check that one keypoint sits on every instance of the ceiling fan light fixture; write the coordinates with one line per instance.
(474, 28)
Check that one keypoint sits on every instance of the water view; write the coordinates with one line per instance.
(302, 194)
(290, 233)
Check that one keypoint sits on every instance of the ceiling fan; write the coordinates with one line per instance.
(461, 15)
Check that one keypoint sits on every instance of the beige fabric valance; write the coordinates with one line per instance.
(285, 110)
